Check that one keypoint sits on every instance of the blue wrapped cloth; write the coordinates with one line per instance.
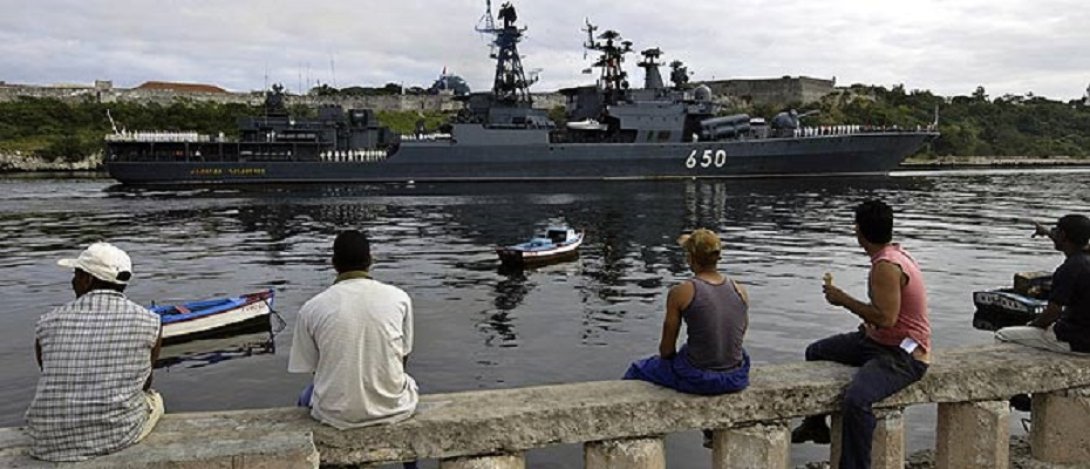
(676, 373)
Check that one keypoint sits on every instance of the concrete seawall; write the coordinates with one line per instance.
(621, 423)
(991, 162)
(21, 162)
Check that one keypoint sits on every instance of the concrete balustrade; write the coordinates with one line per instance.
(1061, 426)
(760, 445)
(634, 453)
(887, 444)
(973, 434)
(502, 461)
(620, 422)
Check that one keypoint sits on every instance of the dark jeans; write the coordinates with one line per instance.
(883, 371)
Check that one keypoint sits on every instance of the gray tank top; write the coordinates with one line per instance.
(715, 321)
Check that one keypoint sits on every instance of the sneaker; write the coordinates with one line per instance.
(811, 430)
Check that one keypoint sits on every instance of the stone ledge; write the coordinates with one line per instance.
(219, 449)
(513, 420)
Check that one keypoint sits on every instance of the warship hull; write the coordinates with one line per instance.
(448, 160)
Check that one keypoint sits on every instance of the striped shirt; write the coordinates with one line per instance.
(96, 357)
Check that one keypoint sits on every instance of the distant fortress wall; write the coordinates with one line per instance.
(105, 93)
(775, 92)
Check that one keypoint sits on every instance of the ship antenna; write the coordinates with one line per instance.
(935, 123)
(590, 29)
(486, 19)
(487, 25)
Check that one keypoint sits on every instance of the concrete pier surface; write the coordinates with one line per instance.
(615, 418)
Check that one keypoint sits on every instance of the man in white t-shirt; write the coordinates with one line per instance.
(355, 337)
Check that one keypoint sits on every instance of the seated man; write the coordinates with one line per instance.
(355, 337)
(96, 354)
(715, 310)
(1064, 326)
(891, 347)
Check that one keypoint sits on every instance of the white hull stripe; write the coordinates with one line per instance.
(215, 321)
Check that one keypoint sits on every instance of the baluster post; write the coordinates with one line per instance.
(973, 434)
(762, 445)
(1058, 433)
(635, 453)
(887, 444)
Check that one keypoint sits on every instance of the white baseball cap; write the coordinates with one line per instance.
(103, 261)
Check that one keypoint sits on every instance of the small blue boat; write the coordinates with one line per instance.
(557, 243)
(214, 317)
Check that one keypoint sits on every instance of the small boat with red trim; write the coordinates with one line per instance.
(557, 243)
(214, 317)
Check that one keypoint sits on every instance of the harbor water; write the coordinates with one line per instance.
(479, 326)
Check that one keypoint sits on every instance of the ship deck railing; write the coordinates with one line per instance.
(157, 137)
(432, 137)
(834, 130)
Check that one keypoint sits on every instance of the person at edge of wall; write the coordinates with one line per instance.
(96, 355)
(715, 310)
(1064, 325)
(892, 346)
(356, 337)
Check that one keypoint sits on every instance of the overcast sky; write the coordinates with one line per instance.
(949, 47)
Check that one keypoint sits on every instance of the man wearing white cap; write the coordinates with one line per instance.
(96, 354)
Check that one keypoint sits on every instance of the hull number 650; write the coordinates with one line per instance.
(707, 159)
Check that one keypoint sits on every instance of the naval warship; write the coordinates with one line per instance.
(611, 131)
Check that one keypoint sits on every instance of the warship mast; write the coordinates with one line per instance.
(510, 85)
(613, 80)
(650, 64)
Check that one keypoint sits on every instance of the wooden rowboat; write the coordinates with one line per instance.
(214, 317)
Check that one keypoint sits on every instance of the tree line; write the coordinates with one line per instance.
(49, 128)
(973, 125)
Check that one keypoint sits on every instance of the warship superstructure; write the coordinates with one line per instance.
(611, 131)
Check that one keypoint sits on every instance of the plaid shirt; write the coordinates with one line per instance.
(96, 357)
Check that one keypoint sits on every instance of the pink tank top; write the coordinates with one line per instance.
(912, 321)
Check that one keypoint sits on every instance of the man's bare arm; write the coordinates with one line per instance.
(676, 301)
(1048, 316)
(885, 290)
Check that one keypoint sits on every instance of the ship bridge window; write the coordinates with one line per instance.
(664, 135)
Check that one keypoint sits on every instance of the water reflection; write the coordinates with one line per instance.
(240, 340)
(205, 352)
(497, 324)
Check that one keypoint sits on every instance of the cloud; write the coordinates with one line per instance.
(947, 46)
